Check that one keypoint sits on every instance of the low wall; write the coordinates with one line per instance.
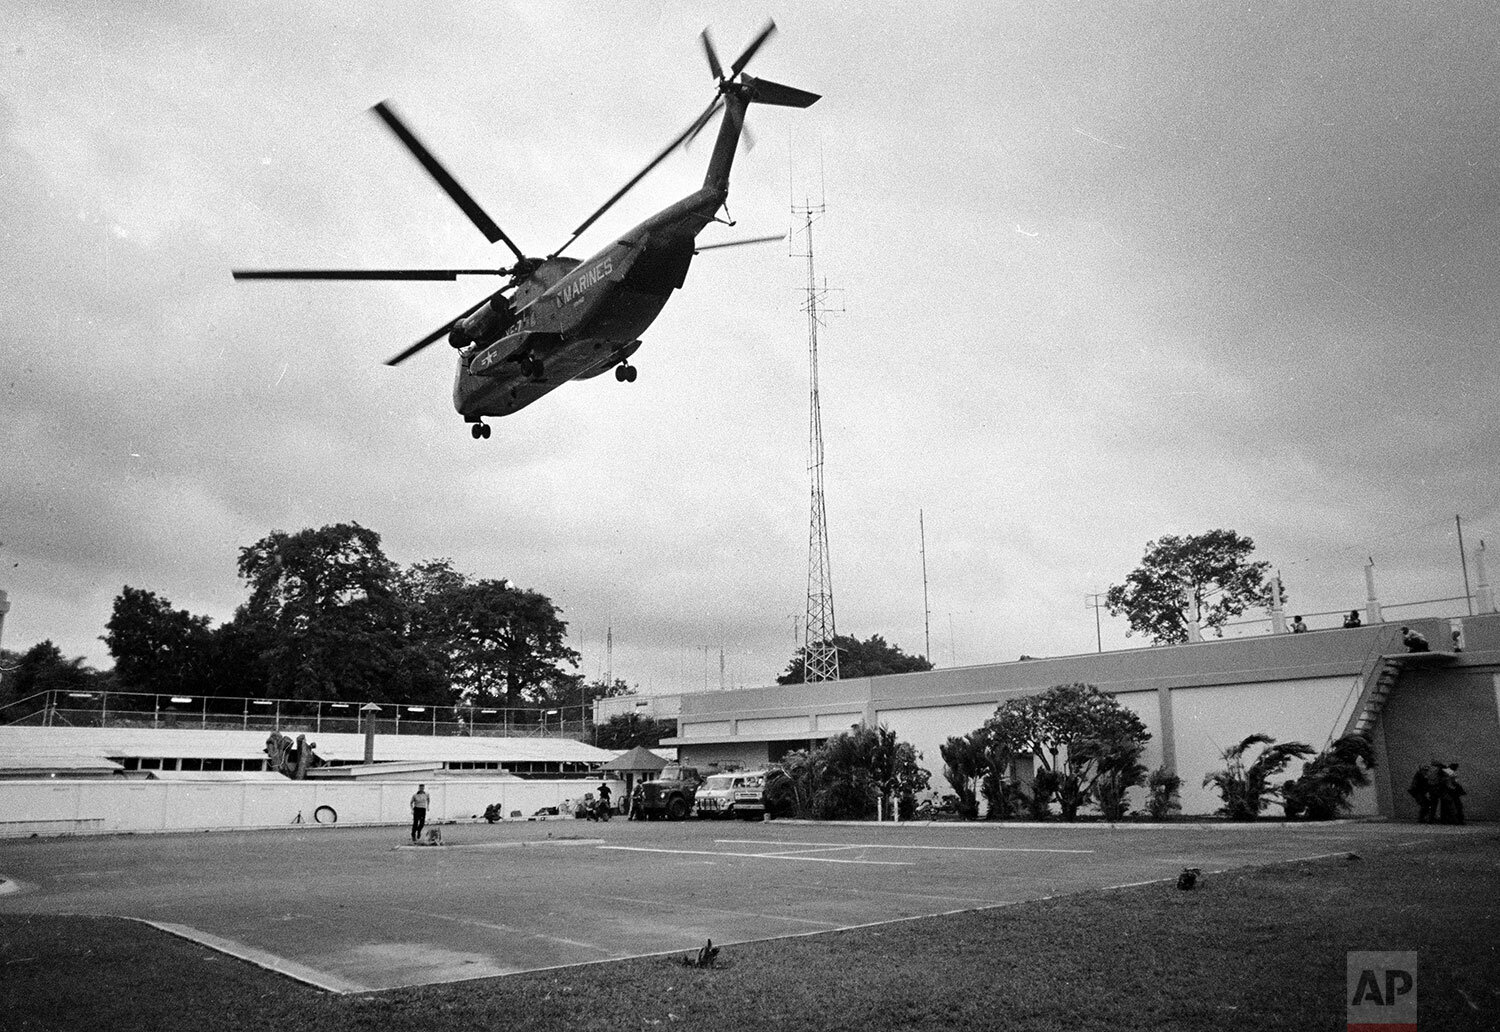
(52, 807)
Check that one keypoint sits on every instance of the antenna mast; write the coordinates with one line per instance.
(926, 609)
(820, 656)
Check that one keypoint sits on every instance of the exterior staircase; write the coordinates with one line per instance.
(1381, 673)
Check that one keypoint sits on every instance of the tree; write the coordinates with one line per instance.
(628, 730)
(42, 668)
(1247, 790)
(431, 594)
(324, 608)
(1077, 734)
(157, 648)
(509, 644)
(1203, 577)
(859, 659)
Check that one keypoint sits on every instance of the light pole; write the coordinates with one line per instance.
(369, 709)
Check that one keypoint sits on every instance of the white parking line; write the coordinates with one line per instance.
(889, 845)
(760, 856)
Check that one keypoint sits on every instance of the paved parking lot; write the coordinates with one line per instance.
(351, 909)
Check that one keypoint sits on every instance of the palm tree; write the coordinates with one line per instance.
(1247, 790)
(1329, 779)
(963, 763)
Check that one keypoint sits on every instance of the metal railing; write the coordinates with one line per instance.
(64, 708)
(1339, 614)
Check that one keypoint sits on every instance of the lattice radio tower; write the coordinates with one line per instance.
(820, 654)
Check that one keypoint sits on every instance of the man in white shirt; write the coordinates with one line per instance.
(419, 802)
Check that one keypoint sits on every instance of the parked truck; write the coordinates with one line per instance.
(671, 795)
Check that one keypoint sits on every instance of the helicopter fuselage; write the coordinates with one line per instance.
(559, 319)
(574, 320)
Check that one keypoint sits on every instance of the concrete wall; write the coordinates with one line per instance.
(1294, 687)
(747, 755)
(1210, 719)
(102, 807)
(1451, 715)
(928, 727)
(654, 707)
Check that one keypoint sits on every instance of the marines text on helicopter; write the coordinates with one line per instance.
(559, 319)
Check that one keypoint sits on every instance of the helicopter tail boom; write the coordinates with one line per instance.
(737, 99)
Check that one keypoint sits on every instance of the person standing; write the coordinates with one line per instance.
(419, 804)
(604, 796)
(1424, 789)
(1450, 796)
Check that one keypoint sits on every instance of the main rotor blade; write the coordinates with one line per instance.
(362, 274)
(434, 335)
(744, 59)
(739, 243)
(444, 179)
(668, 149)
(703, 121)
(713, 58)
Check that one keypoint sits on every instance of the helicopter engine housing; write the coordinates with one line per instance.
(487, 325)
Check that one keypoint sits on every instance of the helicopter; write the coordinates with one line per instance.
(559, 319)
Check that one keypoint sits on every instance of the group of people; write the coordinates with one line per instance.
(1299, 626)
(1438, 794)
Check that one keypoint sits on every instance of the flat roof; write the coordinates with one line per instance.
(20, 746)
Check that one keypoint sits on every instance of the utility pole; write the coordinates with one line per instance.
(1464, 562)
(1095, 600)
(820, 653)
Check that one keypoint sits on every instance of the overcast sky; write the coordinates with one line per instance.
(1107, 272)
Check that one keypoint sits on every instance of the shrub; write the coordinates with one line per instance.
(1161, 798)
(1003, 794)
(1039, 799)
(962, 761)
(1120, 770)
(844, 777)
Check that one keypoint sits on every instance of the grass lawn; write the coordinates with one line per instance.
(1261, 949)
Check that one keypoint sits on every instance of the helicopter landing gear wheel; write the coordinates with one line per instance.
(625, 372)
(479, 430)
